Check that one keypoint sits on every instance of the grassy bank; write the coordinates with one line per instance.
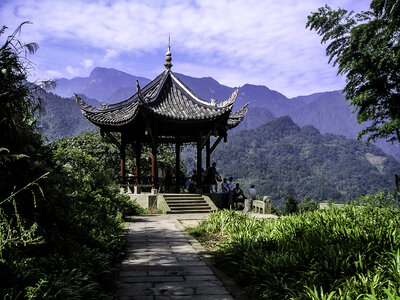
(339, 253)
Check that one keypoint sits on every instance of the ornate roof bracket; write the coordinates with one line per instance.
(83, 105)
(241, 112)
(113, 139)
(205, 140)
(216, 144)
(230, 100)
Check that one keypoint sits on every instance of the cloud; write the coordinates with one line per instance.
(257, 41)
(72, 71)
(87, 63)
(53, 73)
(110, 53)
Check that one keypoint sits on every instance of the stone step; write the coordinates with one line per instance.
(185, 201)
(190, 207)
(183, 198)
(189, 211)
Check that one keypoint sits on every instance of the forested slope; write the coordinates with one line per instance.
(281, 157)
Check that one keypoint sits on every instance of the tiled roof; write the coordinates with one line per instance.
(165, 97)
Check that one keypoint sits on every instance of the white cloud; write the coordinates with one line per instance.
(72, 71)
(110, 53)
(262, 42)
(53, 73)
(87, 63)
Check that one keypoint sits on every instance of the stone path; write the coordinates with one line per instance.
(163, 262)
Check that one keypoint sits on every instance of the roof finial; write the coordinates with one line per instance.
(168, 58)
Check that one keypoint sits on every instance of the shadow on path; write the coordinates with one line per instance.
(163, 262)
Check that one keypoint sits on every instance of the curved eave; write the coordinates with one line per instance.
(117, 116)
(237, 117)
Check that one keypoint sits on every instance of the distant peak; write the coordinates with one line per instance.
(100, 71)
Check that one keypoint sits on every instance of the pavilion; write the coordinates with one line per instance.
(165, 111)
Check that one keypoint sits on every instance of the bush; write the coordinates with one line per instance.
(291, 205)
(345, 253)
(308, 204)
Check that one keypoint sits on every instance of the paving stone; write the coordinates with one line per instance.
(132, 273)
(194, 284)
(151, 279)
(211, 291)
(161, 263)
(139, 285)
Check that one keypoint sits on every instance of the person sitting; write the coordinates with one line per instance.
(238, 193)
(191, 183)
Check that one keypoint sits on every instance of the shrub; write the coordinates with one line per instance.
(338, 253)
(291, 205)
(308, 204)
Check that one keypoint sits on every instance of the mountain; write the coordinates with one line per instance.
(280, 156)
(62, 117)
(255, 117)
(101, 84)
(327, 111)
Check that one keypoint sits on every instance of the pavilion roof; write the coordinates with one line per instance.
(165, 97)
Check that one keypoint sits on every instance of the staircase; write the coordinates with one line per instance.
(188, 203)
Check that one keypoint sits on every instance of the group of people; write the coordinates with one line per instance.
(232, 192)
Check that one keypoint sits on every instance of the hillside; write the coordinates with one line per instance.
(63, 118)
(280, 156)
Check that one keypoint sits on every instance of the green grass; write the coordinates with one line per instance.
(339, 253)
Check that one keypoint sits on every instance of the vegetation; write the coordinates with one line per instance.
(61, 118)
(365, 47)
(61, 217)
(291, 206)
(338, 253)
(280, 156)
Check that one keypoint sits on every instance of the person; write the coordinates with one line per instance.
(225, 192)
(211, 174)
(191, 182)
(168, 180)
(230, 192)
(161, 177)
(237, 193)
(252, 192)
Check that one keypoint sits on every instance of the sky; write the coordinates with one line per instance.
(262, 42)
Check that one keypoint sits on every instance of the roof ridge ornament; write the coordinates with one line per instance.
(230, 100)
(139, 92)
(168, 58)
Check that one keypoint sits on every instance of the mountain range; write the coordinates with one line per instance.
(280, 157)
(328, 111)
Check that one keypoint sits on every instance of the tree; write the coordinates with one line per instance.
(365, 47)
(291, 206)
